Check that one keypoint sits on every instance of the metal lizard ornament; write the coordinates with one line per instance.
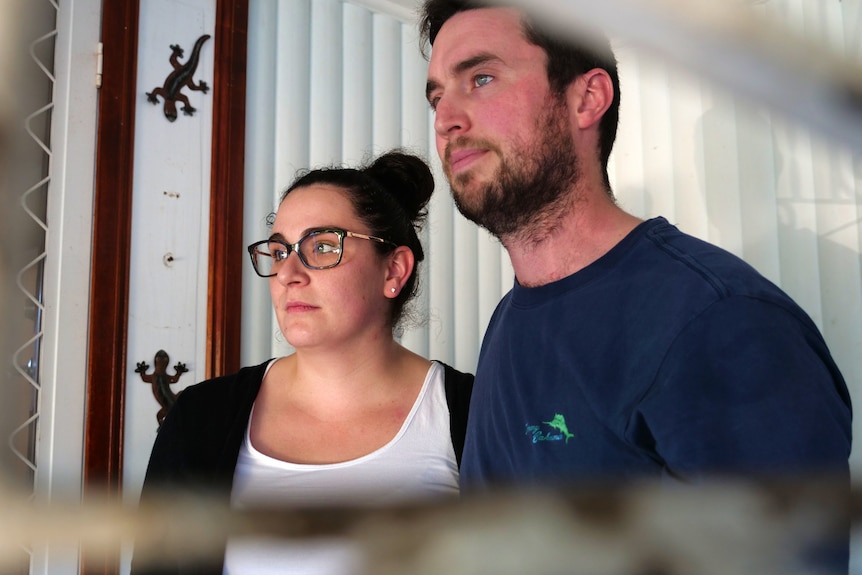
(181, 77)
(161, 381)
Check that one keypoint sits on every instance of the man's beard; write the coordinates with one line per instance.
(531, 186)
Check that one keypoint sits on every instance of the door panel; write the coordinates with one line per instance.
(170, 208)
(159, 281)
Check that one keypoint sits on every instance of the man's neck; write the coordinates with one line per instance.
(550, 251)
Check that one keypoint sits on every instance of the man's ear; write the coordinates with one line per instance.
(398, 269)
(593, 93)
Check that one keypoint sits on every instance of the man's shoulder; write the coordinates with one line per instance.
(686, 247)
(699, 261)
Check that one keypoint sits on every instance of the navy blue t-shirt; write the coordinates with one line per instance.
(668, 356)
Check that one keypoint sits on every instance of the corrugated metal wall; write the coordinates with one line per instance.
(332, 82)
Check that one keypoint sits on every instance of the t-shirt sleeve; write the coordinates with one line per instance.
(748, 387)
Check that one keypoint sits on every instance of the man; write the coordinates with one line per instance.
(626, 349)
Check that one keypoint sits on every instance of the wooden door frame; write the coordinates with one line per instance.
(108, 332)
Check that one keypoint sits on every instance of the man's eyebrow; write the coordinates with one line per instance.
(477, 60)
(460, 67)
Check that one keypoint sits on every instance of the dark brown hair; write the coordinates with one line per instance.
(390, 195)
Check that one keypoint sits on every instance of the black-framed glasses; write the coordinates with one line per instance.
(317, 250)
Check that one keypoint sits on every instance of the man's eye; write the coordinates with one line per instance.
(481, 79)
(433, 103)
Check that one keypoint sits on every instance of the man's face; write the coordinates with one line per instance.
(501, 134)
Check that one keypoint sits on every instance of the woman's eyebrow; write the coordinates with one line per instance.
(278, 236)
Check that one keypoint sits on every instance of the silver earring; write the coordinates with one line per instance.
(392, 290)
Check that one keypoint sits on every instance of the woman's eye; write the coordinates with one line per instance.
(280, 255)
(325, 248)
(481, 79)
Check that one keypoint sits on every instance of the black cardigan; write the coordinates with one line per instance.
(198, 443)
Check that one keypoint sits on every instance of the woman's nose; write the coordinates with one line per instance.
(291, 270)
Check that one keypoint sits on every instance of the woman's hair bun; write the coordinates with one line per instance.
(407, 178)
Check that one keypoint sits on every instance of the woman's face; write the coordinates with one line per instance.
(329, 307)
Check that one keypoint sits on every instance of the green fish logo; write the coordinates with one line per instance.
(559, 423)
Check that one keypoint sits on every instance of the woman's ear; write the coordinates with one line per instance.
(593, 93)
(398, 269)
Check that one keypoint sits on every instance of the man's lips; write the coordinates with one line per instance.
(463, 158)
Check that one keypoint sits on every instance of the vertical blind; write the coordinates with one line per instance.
(332, 82)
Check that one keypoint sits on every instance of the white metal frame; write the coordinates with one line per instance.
(67, 267)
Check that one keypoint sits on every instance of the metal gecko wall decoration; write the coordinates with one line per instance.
(161, 381)
(181, 77)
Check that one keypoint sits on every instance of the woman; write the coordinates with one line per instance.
(352, 417)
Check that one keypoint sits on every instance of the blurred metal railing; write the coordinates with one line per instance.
(721, 527)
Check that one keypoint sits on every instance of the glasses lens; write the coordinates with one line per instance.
(321, 249)
(261, 257)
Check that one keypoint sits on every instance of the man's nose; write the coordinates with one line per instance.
(450, 116)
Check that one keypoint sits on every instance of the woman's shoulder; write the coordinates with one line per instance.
(226, 388)
(459, 388)
(454, 375)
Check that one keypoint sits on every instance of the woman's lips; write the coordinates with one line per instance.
(298, 307)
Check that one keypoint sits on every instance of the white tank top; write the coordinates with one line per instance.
(418, 463)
